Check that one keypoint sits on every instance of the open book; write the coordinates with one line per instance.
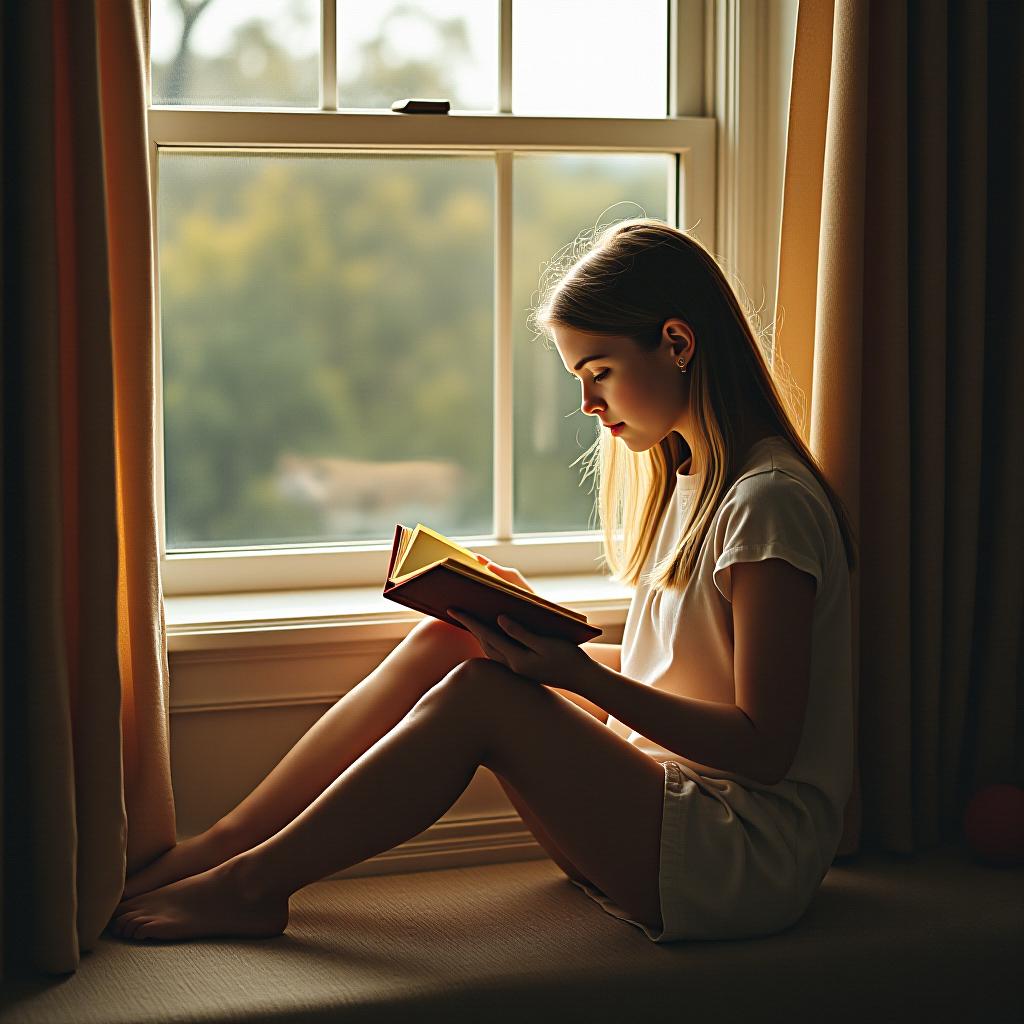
(430, 573)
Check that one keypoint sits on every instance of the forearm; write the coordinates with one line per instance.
(714, 734)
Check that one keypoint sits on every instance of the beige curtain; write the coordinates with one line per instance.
(84, 685)
(902, 253)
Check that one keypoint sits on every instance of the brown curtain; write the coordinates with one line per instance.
(902, 251)
(84, 685)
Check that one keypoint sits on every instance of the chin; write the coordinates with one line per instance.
(635, 444)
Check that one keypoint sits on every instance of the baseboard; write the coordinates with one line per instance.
(490, 839)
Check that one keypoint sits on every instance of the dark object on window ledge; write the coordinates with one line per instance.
(421, 106)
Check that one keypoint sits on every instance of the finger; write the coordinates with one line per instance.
(512, 627)
(495, 644)
(518, 632)
(483, 633)
(463, 619)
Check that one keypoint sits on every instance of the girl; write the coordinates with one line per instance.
(692, 780)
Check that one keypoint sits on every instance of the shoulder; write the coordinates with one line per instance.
(778, 476)
(776, 508)
(776, 500)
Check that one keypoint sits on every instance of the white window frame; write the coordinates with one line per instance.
(686, 133)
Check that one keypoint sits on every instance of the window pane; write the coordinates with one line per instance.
(556, 197)
(327, 326)
(223, 53)
(590, 58)
(395, 49)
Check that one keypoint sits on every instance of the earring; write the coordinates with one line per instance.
(681, 363)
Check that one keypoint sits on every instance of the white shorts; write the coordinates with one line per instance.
(718, 876)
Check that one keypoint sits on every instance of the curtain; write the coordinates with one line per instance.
(85, 765)
(901, 252)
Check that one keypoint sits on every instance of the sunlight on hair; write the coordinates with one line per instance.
(765, 333)
(591, 284)
(564, 260)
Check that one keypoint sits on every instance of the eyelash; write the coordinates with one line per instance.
(597, 378)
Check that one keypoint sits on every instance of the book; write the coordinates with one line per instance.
(430, 573)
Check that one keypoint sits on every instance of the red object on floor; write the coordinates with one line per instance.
(994, 824)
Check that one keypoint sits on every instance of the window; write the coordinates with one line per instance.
(343, 290)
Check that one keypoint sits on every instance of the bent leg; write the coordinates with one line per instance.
(604, 654)
(354, 723)
(593, 796)
(598, 796)
(350, 727)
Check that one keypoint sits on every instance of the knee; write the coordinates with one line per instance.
(460, 683)
(429, 626)
(441, 635)
(473, 687)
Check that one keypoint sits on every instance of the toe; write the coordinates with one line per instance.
(123, 925)
(148, 930)
(131, 930)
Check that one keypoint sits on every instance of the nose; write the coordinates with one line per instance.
(588, 404)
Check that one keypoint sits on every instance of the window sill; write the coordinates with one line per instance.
(207, 622)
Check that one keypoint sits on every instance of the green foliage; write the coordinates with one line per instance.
(342, 306)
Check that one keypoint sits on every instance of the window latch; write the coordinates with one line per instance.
(421, 106)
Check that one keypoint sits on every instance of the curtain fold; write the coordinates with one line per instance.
(84, 672)
(123, 35)
(907, 363)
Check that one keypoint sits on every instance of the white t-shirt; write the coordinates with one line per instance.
(682, 642)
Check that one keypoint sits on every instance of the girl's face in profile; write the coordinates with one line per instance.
(643, 391)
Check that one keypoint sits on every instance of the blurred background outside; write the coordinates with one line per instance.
(327, 320)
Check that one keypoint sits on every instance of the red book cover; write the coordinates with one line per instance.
(457, 581)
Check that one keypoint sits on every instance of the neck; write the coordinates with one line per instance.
(749, 434)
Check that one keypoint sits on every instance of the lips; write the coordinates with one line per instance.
(611, 426)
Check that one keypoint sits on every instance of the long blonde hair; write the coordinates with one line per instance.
(632, 277)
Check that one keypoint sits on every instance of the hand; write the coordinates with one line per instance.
(543, 659)
(508, 574)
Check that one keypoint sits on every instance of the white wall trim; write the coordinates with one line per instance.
(346, 615)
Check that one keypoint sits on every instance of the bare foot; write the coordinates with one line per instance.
(190, 857)
(226, 900)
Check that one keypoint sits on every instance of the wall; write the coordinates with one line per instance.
(230, 726)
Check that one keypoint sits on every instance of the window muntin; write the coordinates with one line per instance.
(687, 148)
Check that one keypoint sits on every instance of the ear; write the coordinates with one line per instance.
(678, 336)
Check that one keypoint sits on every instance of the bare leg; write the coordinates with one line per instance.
(605, 654)
(349, 728)
(353, 725)
(478, 715)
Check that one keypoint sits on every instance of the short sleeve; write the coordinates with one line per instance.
(771, 515)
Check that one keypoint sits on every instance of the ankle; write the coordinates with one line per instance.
(252, 879)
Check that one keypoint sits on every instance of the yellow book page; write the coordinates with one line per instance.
(427, 547)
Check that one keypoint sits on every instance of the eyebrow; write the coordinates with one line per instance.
(583, 362)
